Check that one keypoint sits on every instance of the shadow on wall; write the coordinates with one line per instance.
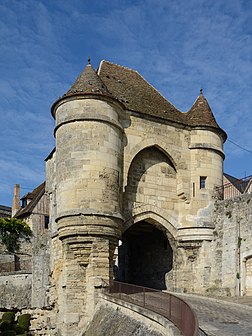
(145, 256)
(151, 173)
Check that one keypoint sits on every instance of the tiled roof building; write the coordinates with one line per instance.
(5, 211)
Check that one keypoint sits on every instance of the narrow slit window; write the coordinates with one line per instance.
(46, 222)
(203, 182)
(193, 189)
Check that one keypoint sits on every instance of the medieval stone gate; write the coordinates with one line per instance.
(129, 165)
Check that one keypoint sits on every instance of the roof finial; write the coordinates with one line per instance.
(201, 91)
(89, 60)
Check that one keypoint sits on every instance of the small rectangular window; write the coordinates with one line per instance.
(46, 222)
(203, 182)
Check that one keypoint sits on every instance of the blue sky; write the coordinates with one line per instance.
(177, 45)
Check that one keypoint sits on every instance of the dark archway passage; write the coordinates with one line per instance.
(145, 256)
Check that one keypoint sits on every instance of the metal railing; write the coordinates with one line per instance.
(168, 305)
(234, 189)
(15, 266)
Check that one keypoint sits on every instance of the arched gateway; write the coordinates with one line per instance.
(145, 256)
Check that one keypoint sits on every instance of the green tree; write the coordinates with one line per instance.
(11, 230)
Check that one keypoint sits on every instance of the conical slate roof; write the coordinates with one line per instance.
(88, 82)
(201, 114)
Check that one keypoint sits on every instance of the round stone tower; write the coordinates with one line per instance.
(89, 153)
(206, 159)
(206, 148)
(206, 173)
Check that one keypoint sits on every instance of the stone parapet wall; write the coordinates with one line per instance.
(116, 317)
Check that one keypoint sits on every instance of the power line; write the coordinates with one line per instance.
(245, 149)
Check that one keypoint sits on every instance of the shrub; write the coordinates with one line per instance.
(5, 325)
(19, 329)
(11, 229)
(24, 321)
(8, 316)
(9, 333)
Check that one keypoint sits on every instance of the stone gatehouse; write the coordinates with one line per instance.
(128, 166)
(130, 194)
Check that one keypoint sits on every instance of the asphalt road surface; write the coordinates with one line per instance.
(221, 317)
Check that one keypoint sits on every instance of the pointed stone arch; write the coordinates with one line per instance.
(148, 250)
(147, 143)
(152, 180)
(170, 153)
(154, 214)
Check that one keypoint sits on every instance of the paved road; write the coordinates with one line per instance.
(222, 317)
(217, 317)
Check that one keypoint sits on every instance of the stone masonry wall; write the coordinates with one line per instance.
(15, 291)
(231, 249)
(221, 266)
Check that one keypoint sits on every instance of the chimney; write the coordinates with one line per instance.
(16, 200)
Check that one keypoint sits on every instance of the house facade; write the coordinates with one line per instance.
(5, 211)
(33, 208)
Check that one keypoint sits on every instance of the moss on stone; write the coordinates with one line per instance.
(8, 316)
(24, 321)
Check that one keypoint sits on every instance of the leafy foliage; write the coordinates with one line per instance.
(24, 321)
(9, 317)
(11, 230)
(9, 326)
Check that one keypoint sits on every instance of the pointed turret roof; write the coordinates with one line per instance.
(201, 114)
(88, 82)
